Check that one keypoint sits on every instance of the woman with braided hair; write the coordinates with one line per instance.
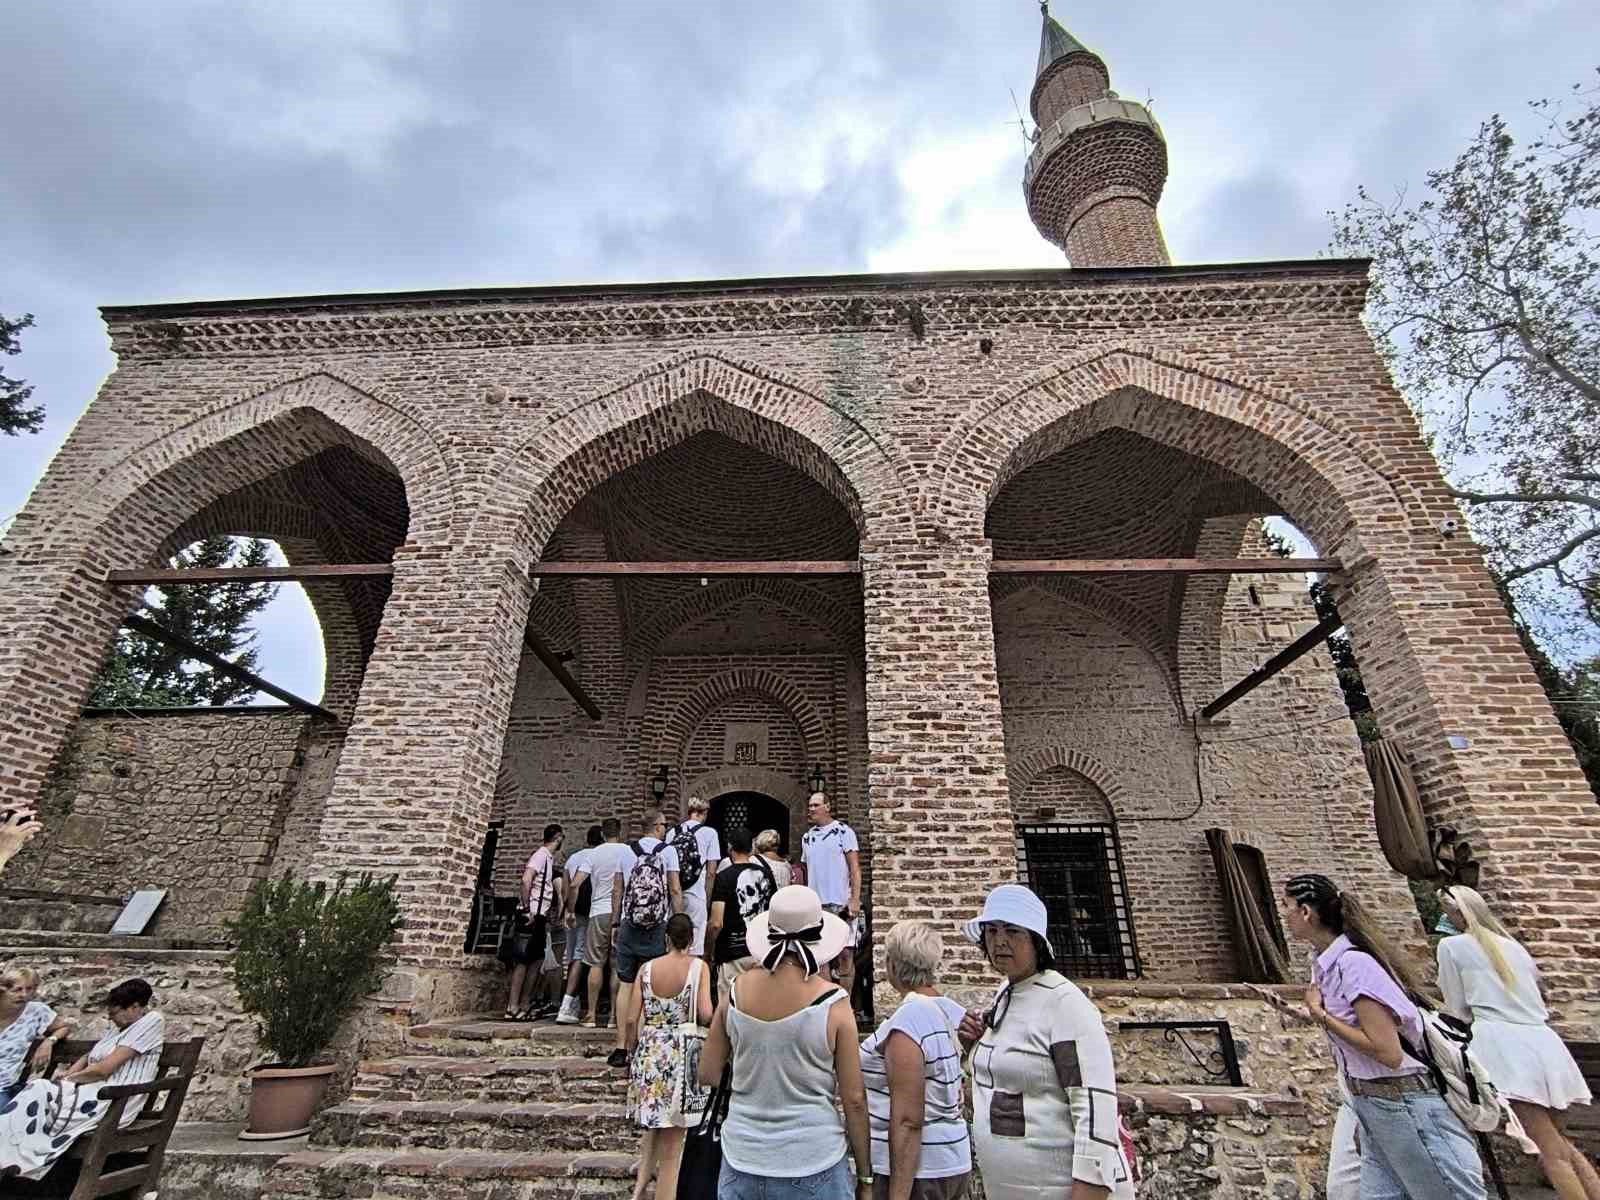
(1412, 1145)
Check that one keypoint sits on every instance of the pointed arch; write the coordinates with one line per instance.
(1281, 444)
(1025, 768)
(808, 603)
(550, 472)
(242, 440)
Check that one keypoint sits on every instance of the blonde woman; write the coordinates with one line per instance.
(766, 845)
(1489, 979)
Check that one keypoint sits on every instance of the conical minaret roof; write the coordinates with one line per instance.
(1055, 42)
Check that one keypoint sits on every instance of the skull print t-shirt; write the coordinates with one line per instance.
(745, 890)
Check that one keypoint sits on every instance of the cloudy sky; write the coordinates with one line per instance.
(185, 149)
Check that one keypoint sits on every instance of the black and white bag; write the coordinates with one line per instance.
(644, 901)
(683, 840)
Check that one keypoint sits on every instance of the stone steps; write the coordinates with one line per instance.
(458, 1174)
(518, 1126)
(439, 1077)
(493, 1038)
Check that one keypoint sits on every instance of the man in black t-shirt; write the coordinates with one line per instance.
(742, 890)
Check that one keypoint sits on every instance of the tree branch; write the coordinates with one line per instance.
(1526, 498)
(1554, 559)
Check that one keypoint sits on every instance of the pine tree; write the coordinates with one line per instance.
(144, 673)
(14, 393)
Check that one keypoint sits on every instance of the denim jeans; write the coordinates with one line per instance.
(1414, 1148)
(838, 1182)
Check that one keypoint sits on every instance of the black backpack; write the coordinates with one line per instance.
(580, 905)
(682, 839)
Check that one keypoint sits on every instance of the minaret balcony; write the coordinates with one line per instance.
(1095, 112)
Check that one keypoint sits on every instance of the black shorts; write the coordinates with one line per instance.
(528, 941)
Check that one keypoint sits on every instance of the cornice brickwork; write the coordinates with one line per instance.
(461, 322)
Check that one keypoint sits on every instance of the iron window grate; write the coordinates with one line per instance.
(1077, 871)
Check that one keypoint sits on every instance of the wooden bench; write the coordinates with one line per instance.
(109, 1161)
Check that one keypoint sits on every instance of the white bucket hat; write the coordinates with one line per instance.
(1012, 904)
(795, 924)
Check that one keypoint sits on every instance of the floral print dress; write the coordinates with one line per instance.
(663, 1092)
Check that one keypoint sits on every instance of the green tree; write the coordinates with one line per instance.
(1485, 299)
(1574, 693)
(14, 393)
(144, 673)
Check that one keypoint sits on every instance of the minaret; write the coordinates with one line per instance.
(1099, 162)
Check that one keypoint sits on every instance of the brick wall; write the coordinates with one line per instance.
(503, 415)
(193, 804)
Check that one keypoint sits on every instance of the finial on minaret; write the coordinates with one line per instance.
(1100, 163)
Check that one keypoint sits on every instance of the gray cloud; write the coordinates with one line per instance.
(198, 148)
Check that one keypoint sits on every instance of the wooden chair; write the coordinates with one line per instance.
(110, 1161)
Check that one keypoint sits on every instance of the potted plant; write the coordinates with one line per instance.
(304, 955)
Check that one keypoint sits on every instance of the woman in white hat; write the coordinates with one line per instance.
(1043, 1084)
(793, 1047)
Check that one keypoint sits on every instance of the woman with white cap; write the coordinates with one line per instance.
(1043, 1083)
(793, 1048)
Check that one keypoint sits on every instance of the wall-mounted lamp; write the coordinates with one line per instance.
(658, 784)
(819, 781)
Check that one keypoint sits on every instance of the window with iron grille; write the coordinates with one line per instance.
(1077, 871)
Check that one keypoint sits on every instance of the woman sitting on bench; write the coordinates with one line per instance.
(48, 1115)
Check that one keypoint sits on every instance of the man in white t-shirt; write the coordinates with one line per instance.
(832, 860)
(694, 895)
(605, 870)
(577, 924)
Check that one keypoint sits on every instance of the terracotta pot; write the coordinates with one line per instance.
(282, 1100)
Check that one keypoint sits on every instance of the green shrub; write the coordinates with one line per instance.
(306, 954)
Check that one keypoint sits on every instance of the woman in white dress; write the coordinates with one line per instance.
(48, 1115)
(1489, 979)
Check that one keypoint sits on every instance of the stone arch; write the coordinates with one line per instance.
(742, 777)
(242, 440)
(672, 738)
(1077, 592)
(1277, 442)
(547, 475)
(347, 611)
(1025, 769)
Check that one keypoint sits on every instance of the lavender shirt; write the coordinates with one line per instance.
(1344, 974)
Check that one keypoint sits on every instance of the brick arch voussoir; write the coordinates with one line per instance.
(682, 721)
(1030, 766)
(843, 621)
(383, 429)
(694, 392)
(1138, 626)
(1000, 435)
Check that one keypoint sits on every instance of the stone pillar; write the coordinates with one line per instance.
(1448, 678)
(416, 779)
(58, 619)
(942, 828)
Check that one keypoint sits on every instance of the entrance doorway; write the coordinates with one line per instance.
(755, 811)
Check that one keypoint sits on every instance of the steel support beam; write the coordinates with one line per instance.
(552, 660)
(167, 577)
(217, 663)
(758, 567)
(1166, 566)
(1302, 646)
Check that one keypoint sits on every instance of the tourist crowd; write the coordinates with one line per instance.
(729, 985)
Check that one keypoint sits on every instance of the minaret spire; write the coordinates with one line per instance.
(1100, 163)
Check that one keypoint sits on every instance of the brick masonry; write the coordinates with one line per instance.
(853, 416)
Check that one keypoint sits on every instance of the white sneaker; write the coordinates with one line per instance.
(569, 1011)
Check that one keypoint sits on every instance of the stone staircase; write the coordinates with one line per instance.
(483, 1110)
(493, 1110)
